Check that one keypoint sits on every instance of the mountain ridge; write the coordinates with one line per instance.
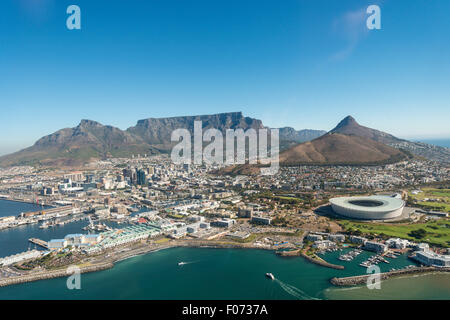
(91, 140)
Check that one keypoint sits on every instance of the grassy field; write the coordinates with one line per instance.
(437, 232)
(442, 194)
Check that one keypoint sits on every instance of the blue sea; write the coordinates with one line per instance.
(437, 142)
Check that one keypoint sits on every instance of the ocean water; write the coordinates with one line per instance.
(15, 240)
(437, 142)
(14, 208)
(227, 274)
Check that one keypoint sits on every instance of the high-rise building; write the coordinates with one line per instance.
(141, 177)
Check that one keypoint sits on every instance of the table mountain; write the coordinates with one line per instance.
(92, 140)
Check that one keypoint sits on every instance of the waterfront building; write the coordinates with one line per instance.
(75, 239)
(9, 260)
(375, 246)
(422, 247)
(92, 238)
(324, 244)
(397, 243)
(117, 237)
(57, 244)
(431, 258)
(358, 240)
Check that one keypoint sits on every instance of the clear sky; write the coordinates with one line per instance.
(302, 63)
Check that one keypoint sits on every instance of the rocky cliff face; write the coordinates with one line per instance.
(158, 130)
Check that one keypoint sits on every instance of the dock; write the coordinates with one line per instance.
(362, 279)
(39, 242)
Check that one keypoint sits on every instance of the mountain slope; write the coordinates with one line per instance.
(91, 140)
(336, 148)
(349, 126)
(347, 143)
(299, 136)
(290, 137)
(73, 146)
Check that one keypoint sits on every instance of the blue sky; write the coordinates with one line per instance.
(303, 63)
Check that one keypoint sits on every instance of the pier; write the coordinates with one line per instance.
(39, 242)
(358, 280)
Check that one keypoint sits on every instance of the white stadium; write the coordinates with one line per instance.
(369, 207)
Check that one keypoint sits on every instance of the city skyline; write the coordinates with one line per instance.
(304, 65)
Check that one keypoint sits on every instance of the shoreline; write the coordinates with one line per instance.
(321, 262)
(362, 279)
(118, 257)
(122, 256)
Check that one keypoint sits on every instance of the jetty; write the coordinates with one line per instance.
(357, 280)
(52, 274)
(39, 242)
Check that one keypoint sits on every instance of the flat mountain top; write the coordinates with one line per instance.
(91, 140)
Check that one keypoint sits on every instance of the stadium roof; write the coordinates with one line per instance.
(383, 203)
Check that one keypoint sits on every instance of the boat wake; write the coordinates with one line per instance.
(182, 263)
(294, 291)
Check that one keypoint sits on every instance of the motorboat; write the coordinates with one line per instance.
(270, 275)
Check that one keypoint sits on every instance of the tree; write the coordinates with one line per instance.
(418, 234)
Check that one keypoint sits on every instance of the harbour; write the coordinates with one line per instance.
(213, 274)
(291, 271)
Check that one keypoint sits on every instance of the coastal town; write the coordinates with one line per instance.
(145, 203)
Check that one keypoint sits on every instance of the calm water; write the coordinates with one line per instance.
(13, 208)
(226, 274)
(214, 274)
(15, 240)
(437, 142)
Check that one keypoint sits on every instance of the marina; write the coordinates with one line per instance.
(350, 255)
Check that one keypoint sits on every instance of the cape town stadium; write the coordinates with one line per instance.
(369, 207)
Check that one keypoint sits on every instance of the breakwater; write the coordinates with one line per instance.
(321, 262)
(52, 274)
(288, 253)
(357, 280)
